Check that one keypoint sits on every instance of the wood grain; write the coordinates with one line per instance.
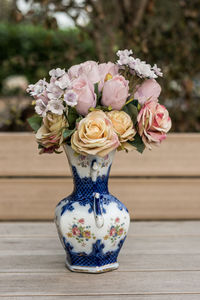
(134, 245)
(30, 199)
(179, 155)
(131, 283)
(154, 228)
(173, 296)
(153, 266)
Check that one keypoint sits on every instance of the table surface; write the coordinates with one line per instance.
(159, 261)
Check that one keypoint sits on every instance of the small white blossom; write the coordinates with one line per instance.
(63, 82)
(56, 107)
(57, 72)
(136, 66)
(157, 71)
(124, 52)
(38, 88)
(41, 107)
(124, 57)
(70, 98)
(143, 69)
(53, 91)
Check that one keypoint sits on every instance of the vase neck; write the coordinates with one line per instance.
(90, 172)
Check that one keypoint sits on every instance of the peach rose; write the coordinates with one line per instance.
(95, 135)
(122, 125)
(49, 135)
(153, 123)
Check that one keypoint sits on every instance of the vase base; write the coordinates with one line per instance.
(85, 269)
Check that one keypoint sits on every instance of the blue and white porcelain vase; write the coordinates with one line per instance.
(92, 224)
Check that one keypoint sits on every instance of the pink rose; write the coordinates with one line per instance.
(81, 221)
(148, 90)
(115, 92)
(90, 70)
(153, 123)
(73, 72)
(112, 231)
(86, 96)
(104, 69)
(75, 230)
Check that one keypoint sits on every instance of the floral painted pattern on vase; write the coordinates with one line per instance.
(81, 232)
(92, 224)
(115, 231)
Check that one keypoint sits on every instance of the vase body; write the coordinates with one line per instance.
(92, 224)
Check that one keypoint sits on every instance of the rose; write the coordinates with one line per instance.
(148, 90)
(95, 135)
(90, 70)
(75, 230)
(104, 69)
(122, 125)
(153, 123)
(115, 92)
(49, 135)
(85, 92)
(81, 221)
(73, 72)
(112, 231)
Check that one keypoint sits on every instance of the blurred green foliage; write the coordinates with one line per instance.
(33, 50)
(167, 33)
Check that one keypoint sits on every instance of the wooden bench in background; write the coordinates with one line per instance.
(160, 184)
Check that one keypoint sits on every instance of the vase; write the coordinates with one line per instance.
(92, 224)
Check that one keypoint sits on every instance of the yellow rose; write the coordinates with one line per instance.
(49, 135)
(122, 125)
(95, 135)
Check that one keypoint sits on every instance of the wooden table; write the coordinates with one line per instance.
(159, 261)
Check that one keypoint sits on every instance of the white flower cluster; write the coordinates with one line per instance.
(50, 96)
(141, 68)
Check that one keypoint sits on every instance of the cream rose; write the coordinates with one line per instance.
(95, 135)
(122, 125)
(49, 135)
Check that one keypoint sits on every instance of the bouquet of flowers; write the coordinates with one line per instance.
(96, 108)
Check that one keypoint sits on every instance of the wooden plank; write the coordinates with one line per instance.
(121, 283)
(179, 155)
(134, 245)
(173, 296)
(153, 267)
(45, 261)
(48, 229)
(35, 199)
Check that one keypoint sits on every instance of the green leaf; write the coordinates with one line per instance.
(71, 117)
(68, 132)
(137, 143)
(96, 90)
(132, 111)
(35, 122)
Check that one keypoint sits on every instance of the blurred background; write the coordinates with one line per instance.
(38, 35)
